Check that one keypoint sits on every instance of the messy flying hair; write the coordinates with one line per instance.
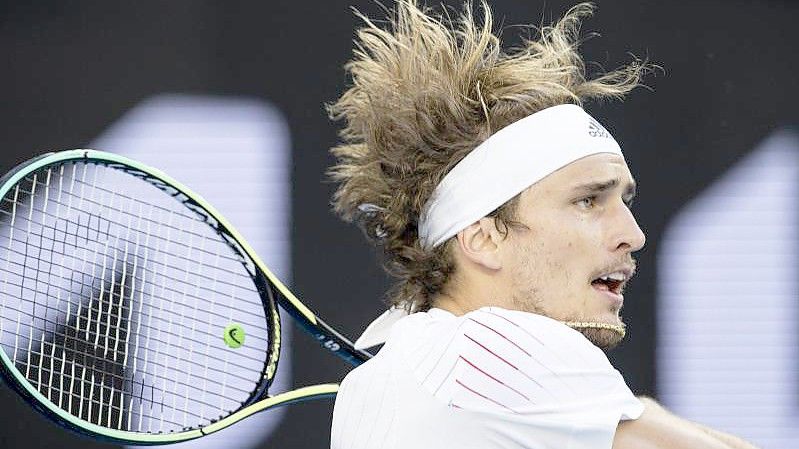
(426, 90)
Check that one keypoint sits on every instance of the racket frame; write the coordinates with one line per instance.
(272, 290)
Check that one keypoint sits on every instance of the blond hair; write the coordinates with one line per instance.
(426, 90)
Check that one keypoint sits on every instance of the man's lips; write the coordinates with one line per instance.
(615, 297)
(614, 278)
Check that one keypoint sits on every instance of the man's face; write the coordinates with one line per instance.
(572, 260)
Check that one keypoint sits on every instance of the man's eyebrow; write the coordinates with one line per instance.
(603, 186)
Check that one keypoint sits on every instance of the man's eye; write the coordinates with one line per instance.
(587, 202)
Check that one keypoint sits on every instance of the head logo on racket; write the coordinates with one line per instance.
(234, 335)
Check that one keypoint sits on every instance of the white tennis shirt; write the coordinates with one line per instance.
(492, 378)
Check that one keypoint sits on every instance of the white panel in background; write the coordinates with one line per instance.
(236, 153)
(728, 300)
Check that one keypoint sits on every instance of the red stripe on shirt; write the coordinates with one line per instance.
(501, 335)
(507, 362)
(484, 396)
(490, 351)
(494, 378)
(520, 327)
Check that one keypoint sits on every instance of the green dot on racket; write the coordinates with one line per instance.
(234, 335)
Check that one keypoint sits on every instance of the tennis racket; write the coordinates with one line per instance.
(131, 310)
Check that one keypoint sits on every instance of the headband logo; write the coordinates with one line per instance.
(597, 130)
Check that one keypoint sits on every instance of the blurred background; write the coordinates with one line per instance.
(228, 97)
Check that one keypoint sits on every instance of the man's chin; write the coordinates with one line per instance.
(604, 339)
(604, 335)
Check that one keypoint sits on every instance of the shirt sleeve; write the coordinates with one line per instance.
(365, 409)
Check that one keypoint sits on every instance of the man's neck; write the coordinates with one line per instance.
(466, 297)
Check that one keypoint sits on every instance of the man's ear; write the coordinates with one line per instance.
(479, 244)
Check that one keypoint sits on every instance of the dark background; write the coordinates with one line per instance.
(72, 68)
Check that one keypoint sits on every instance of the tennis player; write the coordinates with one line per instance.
(503, 210)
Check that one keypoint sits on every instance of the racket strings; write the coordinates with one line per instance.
(137, 386)
(100, 232)
(54, 241)
(75, 351)
(88, 227)
(151, 327)
(34, 182)
(100, 188)
(234, 298)
(121, 294)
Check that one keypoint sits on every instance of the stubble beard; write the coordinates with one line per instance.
(527, 298)
(603, 335)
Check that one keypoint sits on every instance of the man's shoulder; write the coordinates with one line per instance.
(375, 368)
(367, 399)
(516, 335)
(494, 356)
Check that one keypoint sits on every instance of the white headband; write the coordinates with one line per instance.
(507, 163)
